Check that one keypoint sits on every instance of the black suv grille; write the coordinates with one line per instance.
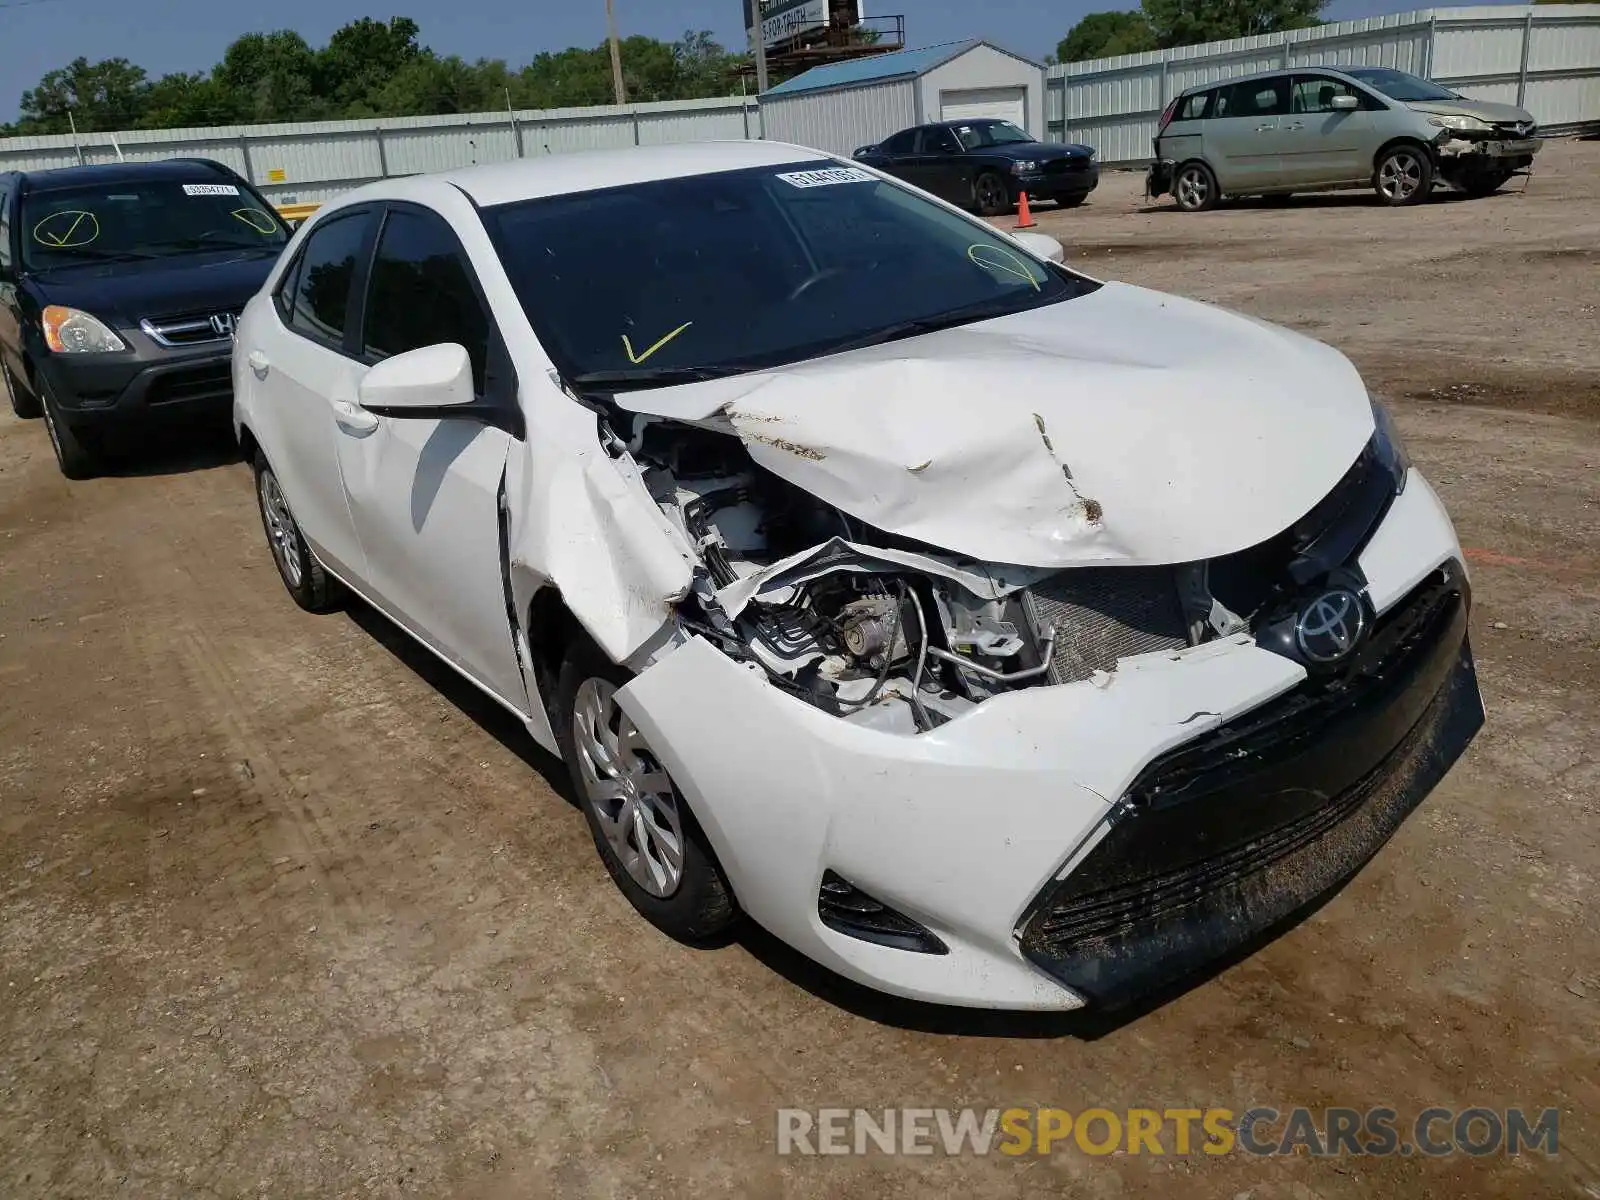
(1062, 166)
(1247, 795)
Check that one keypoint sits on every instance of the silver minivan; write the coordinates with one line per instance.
(1315, 129)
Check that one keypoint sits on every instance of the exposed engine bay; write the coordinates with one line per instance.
(889, 633)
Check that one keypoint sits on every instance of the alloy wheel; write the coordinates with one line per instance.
(1400, 176)
(1194, 188)
(991, 194)
(628, 790)
(281, 530)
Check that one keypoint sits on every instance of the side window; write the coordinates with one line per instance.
(1315, 93)
(324, 278)
(901, 143)
(421, 294)
(1194, 107)
(936, 139)
(1254, 98)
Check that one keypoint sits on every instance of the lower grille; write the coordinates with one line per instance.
(211, 382)
(1230, 805)
(846, 909)
(1101, 614)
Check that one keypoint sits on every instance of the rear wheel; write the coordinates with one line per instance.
(1404, 176)
(1073, 201)
(1195, 187)
(301, 573)
(648, 839)
(76, 460)
(24, 404)
(991, 194)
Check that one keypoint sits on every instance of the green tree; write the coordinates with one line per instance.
(704, 67)
(273, 77)
(101, 96)
(360, 58)
(1105, 34)
(1184, 22)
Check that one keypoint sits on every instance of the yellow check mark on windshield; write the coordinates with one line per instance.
(636, 359)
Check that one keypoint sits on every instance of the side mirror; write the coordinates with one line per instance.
(1345, 104)
(1041, 244)
(433, 382)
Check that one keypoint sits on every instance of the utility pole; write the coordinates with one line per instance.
(758, 49)
(617, 88)
(76, 145)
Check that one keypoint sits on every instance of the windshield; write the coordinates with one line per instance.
(715, 274)
(1398, 85)
(144, 219)
(990, 133)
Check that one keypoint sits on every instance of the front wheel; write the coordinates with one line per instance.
(73, 456)
(991, 195)
(1073, 201)
(1404, 176)
(1195, 188)
(24, 405)
(648, 839)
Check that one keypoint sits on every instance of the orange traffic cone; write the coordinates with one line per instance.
(1024, 217)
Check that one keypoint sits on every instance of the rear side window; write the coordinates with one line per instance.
(901, 142)
(1253, 98)
(421, 292)
(323, 279)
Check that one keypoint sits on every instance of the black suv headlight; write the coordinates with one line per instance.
(1389, 449)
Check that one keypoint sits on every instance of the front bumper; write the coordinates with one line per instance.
(1055, 185)
(974, 829)
(1490, 152)
(145, 385)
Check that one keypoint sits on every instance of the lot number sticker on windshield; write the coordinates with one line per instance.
(210, 189)
(826, 177)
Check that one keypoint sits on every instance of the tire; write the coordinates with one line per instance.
(1073, 201)
(1483, 183)
(1277, 199)
(1403, 176)
(682, 892)
(76, 460)
(992, 195)
(1194, 187)
(312, 588)
(24, 405)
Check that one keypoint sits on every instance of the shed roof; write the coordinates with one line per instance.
(901, 64)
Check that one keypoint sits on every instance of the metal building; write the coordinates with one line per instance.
(841, 106)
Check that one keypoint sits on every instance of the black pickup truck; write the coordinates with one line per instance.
(119, 288)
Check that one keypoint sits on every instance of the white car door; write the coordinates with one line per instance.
(305, 384)
(425, 493)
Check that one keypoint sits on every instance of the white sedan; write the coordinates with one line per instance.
(991, 634)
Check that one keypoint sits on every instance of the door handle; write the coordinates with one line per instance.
(259, 364)
(1265, 128)
(352, 418)
(1296, 125)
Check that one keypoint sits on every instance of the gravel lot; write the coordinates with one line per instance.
(284, 910)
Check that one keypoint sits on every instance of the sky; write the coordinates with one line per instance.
(190, 35)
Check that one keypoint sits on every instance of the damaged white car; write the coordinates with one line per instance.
(991, 634)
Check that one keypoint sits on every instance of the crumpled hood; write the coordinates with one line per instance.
(1484, 110)
(1123, 426)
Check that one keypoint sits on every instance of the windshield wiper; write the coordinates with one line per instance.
(98, 254)
(905, 329)
(649, 377)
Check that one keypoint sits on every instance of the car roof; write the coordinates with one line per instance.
(112, 174)
(585, 171)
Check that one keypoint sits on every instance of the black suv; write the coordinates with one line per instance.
(119, 289)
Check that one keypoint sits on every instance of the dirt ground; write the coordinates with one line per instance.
(286, 911)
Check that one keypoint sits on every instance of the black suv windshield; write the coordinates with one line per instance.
(704, 275)
(990, 133)
(152, 218)
(1398, 85)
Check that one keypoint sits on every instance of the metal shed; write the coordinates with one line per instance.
(840, 106)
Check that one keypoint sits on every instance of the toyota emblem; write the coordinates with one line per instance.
(1329, 627)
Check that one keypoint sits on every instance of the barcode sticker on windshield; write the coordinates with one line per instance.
(210, 189)
(827, 176)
